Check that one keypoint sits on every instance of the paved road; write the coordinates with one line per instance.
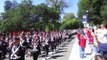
(67, 51)
(62, 53)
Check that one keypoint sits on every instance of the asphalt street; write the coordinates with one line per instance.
(62, 52)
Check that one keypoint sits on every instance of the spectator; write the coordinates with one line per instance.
(101, 34)
(98, 57)
(101, 46)
(78, 33)
(82, 44)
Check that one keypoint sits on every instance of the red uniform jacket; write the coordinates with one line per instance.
(82, 41)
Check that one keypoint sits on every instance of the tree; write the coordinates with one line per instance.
(82, 5)
(74, 23)
(27, 16)
(94, 8)
(14, 4)
(45, 16)
(58, 5)
(24, 13)
(103, 12)
(70, 22)
(69, 16)
(20, 17)
(8, 5)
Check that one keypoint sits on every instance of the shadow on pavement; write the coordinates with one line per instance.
(72, 34)
(62, 48)
(65, 45)
(69, 40)
(56, 56)
(43, 55)
(60, 52)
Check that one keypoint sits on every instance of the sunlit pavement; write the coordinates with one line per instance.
(75, 54)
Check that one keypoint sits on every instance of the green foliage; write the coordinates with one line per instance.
(97, 10)
(104, 11)
(68, 16)
(73, 23)
(27, 16)
(58, 5)
(49, 27)
(47, 15)
(70, 22)
(8, 5)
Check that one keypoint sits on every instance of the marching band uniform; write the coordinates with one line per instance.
(35, 51)
(47, 46)
(52, 42)
(4, 46)
(17, 51)
(1, 50)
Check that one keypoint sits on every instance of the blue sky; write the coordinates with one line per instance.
(72, 5)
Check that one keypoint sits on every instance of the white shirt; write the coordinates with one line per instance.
(100, 35)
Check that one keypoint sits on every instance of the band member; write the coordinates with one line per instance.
(35, 51)
(23, 41)
(47, 45)
(52, 43)
(4, 47)
(1, 50)
(17, 51)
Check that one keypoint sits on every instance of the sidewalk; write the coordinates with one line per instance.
(74, 55)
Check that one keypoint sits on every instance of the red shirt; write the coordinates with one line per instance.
(91, 38)
(88, 33)
(78, 35)
(82, 41)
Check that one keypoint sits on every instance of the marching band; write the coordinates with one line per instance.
(18, 43)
